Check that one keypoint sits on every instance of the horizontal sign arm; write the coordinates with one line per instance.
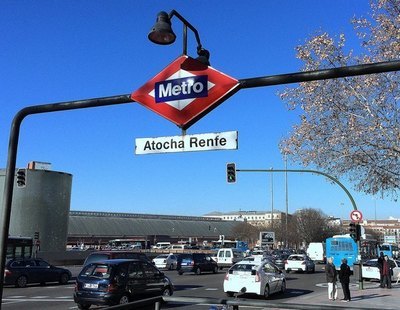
(324, 74)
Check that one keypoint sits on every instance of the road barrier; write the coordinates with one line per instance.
(157, 302)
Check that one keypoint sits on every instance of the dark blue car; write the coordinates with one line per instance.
(119, 281)
(21, 271)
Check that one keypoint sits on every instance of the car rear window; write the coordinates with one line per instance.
(296, 257)
(244, 267)
(101, 271)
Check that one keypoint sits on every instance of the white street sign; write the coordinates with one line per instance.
(188, 143)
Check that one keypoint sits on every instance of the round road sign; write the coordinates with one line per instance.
(356, 216)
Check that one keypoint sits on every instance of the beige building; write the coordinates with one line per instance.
(256, 218)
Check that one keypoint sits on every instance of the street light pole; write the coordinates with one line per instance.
(272, 199)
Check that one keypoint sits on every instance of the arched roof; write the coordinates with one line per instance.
(106, 224)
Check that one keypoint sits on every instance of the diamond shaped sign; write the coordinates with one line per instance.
(185, 91)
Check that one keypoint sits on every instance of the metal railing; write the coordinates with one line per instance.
(234, 304)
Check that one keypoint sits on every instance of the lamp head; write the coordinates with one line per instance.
(162, 33)
(204, 56)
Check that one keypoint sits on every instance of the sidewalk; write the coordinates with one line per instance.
(371, 297)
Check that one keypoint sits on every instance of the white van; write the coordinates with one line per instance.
(316, 251)
(178, 247)
(226, 257)
(162, 245)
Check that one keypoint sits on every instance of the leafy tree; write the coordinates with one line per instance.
(351, 126)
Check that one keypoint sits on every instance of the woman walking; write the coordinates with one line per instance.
(344, 277)
(331, 278)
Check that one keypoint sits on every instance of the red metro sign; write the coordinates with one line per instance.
(185, 91)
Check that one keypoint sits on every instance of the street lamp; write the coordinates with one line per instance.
(162, 33)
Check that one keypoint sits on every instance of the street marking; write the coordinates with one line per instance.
(211, 289)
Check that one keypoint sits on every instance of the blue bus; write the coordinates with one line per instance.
(343, 246)
(391, 250)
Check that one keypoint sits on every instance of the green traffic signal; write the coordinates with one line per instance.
(231, 173)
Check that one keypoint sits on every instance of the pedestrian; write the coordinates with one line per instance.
(331, 278)
(344, 277)
(380, 266)
(386, 273)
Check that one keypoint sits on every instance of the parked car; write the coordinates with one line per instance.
(370, 269)
(21, 271)
(260, 277)
(98, 256)
(166, 261)
(196, 262)
(226, 257)
(299, 262)
(119, 281)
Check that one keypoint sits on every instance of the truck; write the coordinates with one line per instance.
(316, 251)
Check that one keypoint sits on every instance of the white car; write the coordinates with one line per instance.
(254, 277)
(299, 262)
(166, 261)
(370, 269)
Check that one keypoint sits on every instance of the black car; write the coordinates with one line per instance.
(119, 281)
(196, 262)
(21, 271)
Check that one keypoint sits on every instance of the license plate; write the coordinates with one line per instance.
(90, 285)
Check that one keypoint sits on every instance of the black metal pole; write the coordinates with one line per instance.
(325, 74)
(12, 155)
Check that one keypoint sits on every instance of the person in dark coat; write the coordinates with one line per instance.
(331, 278)
(344, 277)
(380, 266)
(386, 273)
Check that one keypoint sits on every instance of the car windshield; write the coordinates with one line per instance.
(97, 270)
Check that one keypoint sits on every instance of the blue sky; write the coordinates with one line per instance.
(55, 51)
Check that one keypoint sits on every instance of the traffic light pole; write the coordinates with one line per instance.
(353, 203)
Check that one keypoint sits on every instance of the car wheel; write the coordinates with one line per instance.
(64, 278)
(167, 292)
(266, 292)
(124, 299)
(283, 287)
(288, 271)
(21, 281)
(215, 269)
(83, 306)
(198, 271)
(171, 266)
(313, 270)
(229, 294)
(180, 272)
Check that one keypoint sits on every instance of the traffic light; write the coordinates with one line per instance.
(358, 232)
(36, 235)
(21, 178)
(353, 231)
(231, 173)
